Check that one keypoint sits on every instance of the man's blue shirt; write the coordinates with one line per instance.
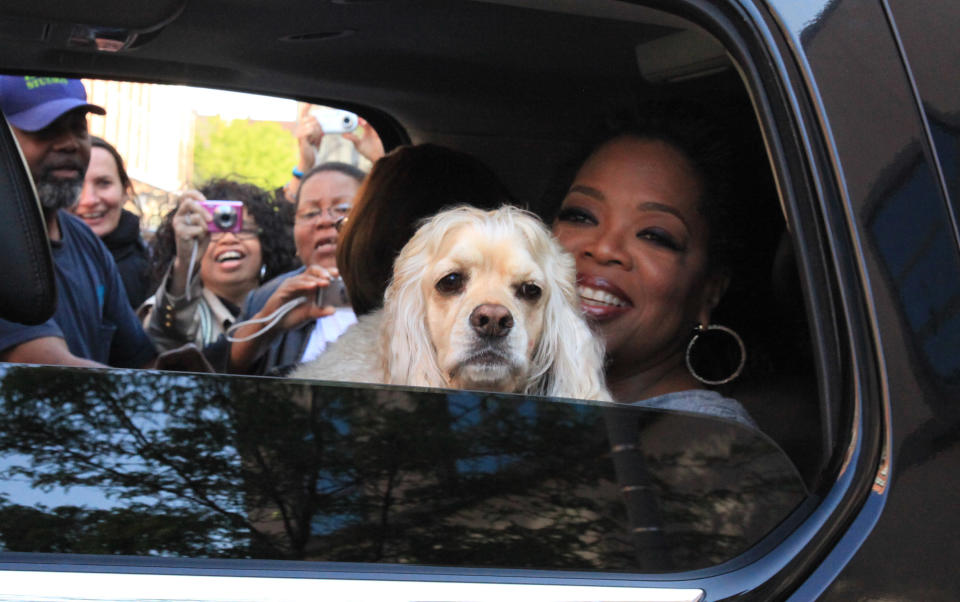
(93, 314)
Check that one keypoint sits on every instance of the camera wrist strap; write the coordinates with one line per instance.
(191, 265)
(271, 321)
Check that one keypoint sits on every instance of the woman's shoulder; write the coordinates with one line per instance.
(701, 401)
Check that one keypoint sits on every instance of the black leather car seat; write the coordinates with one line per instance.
(27, 287)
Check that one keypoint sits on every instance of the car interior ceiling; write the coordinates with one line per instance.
(515, 82)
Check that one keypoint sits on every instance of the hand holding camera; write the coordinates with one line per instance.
(352, 127)
(335, 121)
(190, 221)
(315, 121)
(309, 135)
(191, 236)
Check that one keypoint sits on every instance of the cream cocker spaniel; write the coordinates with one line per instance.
(483, 300)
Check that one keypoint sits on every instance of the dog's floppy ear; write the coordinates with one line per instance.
(411, 358)
(568, 360)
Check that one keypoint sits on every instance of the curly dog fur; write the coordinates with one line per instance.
(481, 300)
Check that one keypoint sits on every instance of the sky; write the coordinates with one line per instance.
(238, 105)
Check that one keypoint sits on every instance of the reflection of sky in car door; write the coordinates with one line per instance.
(149, 424)
(21, 491)
(799, 15)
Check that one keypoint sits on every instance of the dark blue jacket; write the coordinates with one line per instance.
(93, 314)
(132, 258)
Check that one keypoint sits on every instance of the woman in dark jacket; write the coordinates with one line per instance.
(105, 190)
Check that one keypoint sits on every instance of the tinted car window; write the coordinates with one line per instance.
(153, 464)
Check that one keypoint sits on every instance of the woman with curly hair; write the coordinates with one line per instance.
(200, 306)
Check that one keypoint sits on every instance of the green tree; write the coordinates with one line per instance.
(259, 152)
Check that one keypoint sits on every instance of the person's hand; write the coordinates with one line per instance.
(189, 227)
(366, 140)
(309, 134)
(190, 224)
(305, 285)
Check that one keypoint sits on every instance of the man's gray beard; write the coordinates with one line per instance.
(58, 194)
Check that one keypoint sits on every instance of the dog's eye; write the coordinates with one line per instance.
(529, 291)
(451, 283)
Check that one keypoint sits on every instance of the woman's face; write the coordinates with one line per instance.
(102, 198)
(233, 258)
(324, 198)
(631, 220)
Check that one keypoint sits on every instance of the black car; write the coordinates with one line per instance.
(122, 484)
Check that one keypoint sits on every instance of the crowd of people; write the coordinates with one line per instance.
(644, 211)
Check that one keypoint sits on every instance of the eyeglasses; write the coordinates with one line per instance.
(337, 213)
(243, 234)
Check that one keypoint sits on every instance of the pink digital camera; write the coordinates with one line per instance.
(227, 215)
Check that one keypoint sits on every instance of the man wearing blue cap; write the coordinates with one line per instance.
(93, 324)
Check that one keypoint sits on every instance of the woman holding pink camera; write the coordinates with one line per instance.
(220, 243)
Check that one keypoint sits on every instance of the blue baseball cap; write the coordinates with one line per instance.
(31, 103)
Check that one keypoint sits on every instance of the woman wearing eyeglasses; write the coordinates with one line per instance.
(199, 306)
(323, 200)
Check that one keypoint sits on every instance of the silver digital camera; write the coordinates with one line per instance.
(336, 121)
(334, 294)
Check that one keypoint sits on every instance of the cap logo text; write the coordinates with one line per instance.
(33, 82)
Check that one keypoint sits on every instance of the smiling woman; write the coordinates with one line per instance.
(227, 263)
(106, 187)
(322, 202)
(642, 217)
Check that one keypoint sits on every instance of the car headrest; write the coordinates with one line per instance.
(27, 289)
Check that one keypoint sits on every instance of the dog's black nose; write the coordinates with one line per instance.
(491, 320)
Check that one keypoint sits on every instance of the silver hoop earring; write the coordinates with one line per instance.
(701, 330)
(263, 271)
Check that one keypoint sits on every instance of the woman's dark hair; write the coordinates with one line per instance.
(345, 168)
(121, 169)
(273, 217)
(404, 187)
(701, 138)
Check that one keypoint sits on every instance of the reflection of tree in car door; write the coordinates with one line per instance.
(215, 466)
